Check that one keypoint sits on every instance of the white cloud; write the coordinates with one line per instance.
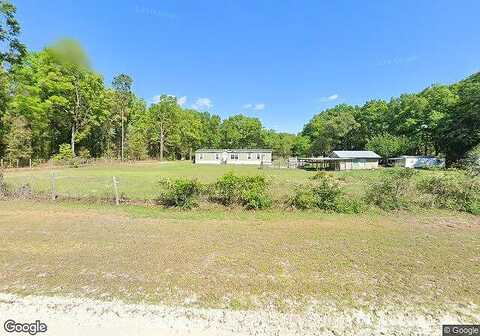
(156, 99)
(329, 98)
(203, 104)
(255, 107)
(259, 107)
(182, 100)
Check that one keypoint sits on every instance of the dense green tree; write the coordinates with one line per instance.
(18, 140)
(372, 120)
(281, 143)
(408, 116)
(53, 97)
(163, 118)
(461, 126)
(211, 130)
(122, 85)
(441, 99)
(60, 100)
(301, 146)
(240, 131)
(82, 93)
(11, 49)
(332, 129)
(4, 100)
(387, 145)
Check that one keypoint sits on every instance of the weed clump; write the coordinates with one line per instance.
(391, 191)
(324, 192)
(248, 191)
(456, 191)
(180, 193)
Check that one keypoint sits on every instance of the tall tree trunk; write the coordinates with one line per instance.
(73, 140)
(123, 134)
(161, 143)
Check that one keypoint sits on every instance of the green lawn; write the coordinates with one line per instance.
(140, 181)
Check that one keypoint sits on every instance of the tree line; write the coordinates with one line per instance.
(52, 101)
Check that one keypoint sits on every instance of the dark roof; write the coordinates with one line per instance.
(356, 155)
(206, 150)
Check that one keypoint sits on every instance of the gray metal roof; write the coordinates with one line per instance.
(356, 154)
(206, 150)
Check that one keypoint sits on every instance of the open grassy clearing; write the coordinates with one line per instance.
(140, 181)
(238, 259)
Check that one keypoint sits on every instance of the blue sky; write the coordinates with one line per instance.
(280, 60)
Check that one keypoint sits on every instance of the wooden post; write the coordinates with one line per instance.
(2, 163)
(30, 163)
(54, 192)
(115, 187)
(18, 163)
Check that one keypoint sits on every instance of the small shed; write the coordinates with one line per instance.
(355, 160)
(342, 160)
(409, 161)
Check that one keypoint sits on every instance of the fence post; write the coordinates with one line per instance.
(2, 163)
(115, 187)
(18, 163)
(54, 192)
(30, 163)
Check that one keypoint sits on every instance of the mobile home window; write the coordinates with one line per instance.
(249, 156)
(234, 156)
(216, 156)
(201, 156)
(258, 156)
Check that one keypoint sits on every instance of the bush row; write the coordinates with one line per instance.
(230, 189)
(395, 189)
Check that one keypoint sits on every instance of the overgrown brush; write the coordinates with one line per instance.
(393, 189)
(324, 192)
(248, 191)
(454, 191)
(180, 192)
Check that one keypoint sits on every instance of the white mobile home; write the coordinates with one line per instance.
(234, 156)
(416, 161)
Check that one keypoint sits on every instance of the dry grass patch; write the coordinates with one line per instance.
(238, 259)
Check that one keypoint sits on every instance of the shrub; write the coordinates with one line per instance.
(249, 191)
(303, 198)
(349, 205)
(391, 191)
(455, 191)
(182, 193)
(84, 154)
(64, 153)
(256, 199)
(323, 192)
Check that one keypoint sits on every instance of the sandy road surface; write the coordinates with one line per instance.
(75, 316)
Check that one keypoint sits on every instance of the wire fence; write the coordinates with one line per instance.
(119, 182)
(56, 185)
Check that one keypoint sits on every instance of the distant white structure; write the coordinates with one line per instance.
(416, 161)
(342, 160)
(356, 159)
(234, 156)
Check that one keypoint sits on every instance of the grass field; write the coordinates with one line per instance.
(140, 181)
(239, 259)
